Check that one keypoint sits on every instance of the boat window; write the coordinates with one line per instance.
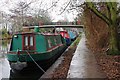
(49, 43)
(26, 41)
(31, 40)
(55, 41)
(60, 41)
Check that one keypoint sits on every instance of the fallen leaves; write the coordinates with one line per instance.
(62, 70)
(110, 64)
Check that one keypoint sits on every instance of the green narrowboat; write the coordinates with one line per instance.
(30, 48)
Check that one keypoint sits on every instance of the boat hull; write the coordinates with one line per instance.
(24, 62)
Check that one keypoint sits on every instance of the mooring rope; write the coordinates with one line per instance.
(35, 62)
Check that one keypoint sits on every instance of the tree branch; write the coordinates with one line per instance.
(109, 13)
(118, 11)
(52, 6)
(98, 13)
(65, 7)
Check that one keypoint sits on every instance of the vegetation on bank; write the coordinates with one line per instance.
(100, 20)
(5, 34)
(75, 43)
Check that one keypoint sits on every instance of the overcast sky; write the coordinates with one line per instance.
(54, 12)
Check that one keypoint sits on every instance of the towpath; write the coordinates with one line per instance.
(83, 64)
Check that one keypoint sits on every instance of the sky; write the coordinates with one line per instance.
(54, 12)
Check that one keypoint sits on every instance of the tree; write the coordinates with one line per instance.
(24, 14)
(38, 17)
(4, 33)
(111, 20)
(44, 16)
(20, 11)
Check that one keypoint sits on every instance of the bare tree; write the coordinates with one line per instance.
(111, 20)
(20, 12)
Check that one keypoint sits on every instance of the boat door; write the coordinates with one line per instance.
(28, 42)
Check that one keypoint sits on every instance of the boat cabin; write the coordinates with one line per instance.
(35, 42)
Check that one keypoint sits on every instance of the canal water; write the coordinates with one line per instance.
(5, 70)
(4, 65)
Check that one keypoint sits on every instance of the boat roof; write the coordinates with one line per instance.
(47, 34)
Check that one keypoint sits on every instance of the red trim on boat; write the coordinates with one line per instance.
(28, 46)
(54, 46)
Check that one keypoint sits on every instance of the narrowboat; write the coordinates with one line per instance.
(72, 35)
(33, 49)
(66, 36)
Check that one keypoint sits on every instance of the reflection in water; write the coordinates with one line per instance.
(30, 75)
(5, 68)
(6, 72)
(3, 47)
(5, 43)
(4, 64)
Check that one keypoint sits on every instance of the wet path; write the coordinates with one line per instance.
(83, 64)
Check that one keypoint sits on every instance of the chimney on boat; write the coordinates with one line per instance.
(36, 29)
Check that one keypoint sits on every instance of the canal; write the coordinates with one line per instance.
(4, 65)
(5, 70)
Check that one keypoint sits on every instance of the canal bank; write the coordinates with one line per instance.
(84, 64)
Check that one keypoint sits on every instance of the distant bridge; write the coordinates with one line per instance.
(55, 26)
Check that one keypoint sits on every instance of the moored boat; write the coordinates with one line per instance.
(34, 49)
(66, 36)
(72, 35)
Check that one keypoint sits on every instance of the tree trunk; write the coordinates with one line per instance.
(113, 43)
